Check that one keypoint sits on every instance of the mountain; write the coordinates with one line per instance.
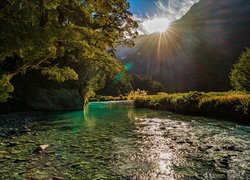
(198, 50)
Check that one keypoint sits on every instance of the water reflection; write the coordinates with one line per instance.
(115, 141)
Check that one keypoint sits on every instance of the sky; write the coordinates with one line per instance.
(145, 10)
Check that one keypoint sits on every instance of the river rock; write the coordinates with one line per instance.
(15, 152)
(48, 164)
(39, 177)
(57, 178)
(20, 160)
(3, 152)
(225, 161)
(180, 142)
(40, 148)
(231, 148)
(3, 135)
(74, 146)
(12, 144)
(24, 129)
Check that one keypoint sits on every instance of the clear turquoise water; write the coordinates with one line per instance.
(114, 141)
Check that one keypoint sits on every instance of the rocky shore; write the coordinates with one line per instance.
(18, 123)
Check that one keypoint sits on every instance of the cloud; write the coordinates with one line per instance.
(164, 8)
(174, 9)
(169, 9)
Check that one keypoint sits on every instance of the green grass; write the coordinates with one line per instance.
(226, 105)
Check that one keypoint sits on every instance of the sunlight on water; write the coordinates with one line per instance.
(114, 141)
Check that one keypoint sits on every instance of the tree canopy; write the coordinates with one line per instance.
(240, 74)
(64, 39)
(145, 82)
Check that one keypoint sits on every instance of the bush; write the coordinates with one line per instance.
(5, 88)
(146, 83)
(232, 106)
(227, 105)
(138, 92)
(240, 74)
(107, 98)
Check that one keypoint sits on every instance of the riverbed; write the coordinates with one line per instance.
(112, 140)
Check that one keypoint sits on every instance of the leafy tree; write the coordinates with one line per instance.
(116, 84)
(240, 74)
(5, 88)
(59, 37)
(145, 82)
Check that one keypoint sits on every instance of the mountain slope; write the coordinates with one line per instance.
(197, 51)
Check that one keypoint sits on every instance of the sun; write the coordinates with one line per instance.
(156, 25)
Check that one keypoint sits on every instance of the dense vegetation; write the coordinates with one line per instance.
(198, 50)
(62, 40)
(147, 83)
(240, 74)
(227, 105)
(123, 84)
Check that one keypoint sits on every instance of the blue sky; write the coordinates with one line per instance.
(141, 7)
(171, 9)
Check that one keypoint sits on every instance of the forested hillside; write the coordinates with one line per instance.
(198, 51)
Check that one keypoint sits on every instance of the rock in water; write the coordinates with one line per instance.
(40, 148)
(24, 129)
(58, 178)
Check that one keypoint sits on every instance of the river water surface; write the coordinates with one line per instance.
(115, 141)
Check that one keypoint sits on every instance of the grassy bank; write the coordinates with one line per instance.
(226, 105)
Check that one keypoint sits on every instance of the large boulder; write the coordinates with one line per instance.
(54, 99)
(34, 92)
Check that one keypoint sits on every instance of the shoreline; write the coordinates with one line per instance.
(227, 106)
(15, 123)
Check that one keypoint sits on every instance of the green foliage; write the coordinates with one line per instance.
(95, 73)
(108, 98)
(240, 74)
(5, 87)
(116, 84)
(227, 105)
(146, 83)
(138, 93)
(47, 35)
(59, 74)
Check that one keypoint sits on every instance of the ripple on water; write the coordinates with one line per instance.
(111, 141)
(189, 149)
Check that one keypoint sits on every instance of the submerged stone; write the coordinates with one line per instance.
(39, 177)
(40, 148)
(3, 152)
(12, 144)
(20, 160)
(48, 164)
(15, 152)
(57, 178)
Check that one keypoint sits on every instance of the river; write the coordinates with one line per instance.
(112, 140)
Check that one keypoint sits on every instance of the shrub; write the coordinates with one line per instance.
(231, 106)
(227, 105)
(240, 74)
(138, 92)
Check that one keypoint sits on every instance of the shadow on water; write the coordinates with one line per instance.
(114, 141)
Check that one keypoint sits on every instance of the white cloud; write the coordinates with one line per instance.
(168, 9)
(174, 9)
(164, 8)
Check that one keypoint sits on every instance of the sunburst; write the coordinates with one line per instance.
(156, 25)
